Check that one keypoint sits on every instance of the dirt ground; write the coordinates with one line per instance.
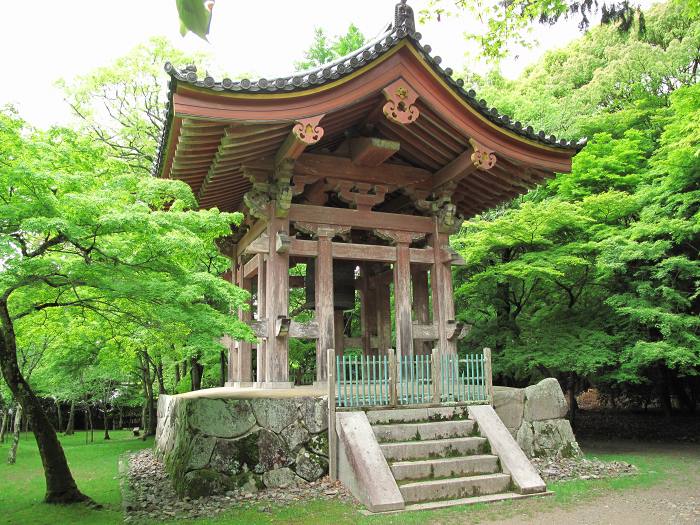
(676, 501)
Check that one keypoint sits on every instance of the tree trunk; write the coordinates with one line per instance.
(59, 416)
(88, 413)
(149, 408)
(177, 375)
(121, 418)
(664, 391)
(70, 427)
(106, 422)
(223, 360)
(60, 485)
(158, 368)
(12, 455)
(196, 371)
(152, 416)
(571, 394)
(3, 424)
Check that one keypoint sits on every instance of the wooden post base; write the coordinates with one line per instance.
(274, 385)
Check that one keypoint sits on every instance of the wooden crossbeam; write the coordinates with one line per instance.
(366, 220)
(455, 171)
(343, 168)
(371, 151)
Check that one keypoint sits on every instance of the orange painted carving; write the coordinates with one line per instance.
(400, 102)
(483, 158)
(307, 129)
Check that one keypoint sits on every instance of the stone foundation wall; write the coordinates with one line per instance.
(211, 446)
(536, 418)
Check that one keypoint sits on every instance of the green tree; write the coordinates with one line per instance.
(512, 23)
(81, 234)
(324, 50)
(122, 105)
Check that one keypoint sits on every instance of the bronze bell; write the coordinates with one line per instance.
(343, 285)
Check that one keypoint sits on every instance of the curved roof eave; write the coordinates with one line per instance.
(311, 79)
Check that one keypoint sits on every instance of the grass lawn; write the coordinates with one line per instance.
(95, 468)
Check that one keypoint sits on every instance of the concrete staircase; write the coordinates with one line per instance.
(431, 457)
(437, 455)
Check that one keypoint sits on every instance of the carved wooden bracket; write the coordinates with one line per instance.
(259, 245)
(308, 131)
(400, 106)
(282, 242)
(322, 230)
(282, 324)
(483, 158)
(257, 198)
(360, 195)
(399, 237)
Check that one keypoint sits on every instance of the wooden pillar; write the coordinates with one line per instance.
(230, 343)
(261, 351)
(339, 332)
(277, 304)
(324, 301)
(368, 311)
(441, 284)
(244, 348)
(402, 298)
(421, 307)
(383, 309)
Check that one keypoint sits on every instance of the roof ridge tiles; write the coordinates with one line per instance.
(301, 80)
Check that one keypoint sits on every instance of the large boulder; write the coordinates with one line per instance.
(219, 417)
(509, 404)
(295, 436)
(280, 478)
(201, 448)
(233, 456)
(554, 437)
(273, 452)
(204, 482)
(545, 400)
(526, 439)
(314, 414)
(275, 414)
(310, 466)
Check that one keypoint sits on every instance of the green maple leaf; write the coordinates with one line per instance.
(195, 16)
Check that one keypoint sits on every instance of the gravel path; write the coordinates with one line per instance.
(676, 501)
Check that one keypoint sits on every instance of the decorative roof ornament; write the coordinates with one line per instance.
(403, 18)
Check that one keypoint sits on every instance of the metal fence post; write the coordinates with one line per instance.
(332, 435)
(392, 378)
(488, 374)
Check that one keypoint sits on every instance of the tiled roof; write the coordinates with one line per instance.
(402, 29)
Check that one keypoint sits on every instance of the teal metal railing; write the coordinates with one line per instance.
(390, 380)
(463, 380)
(362, 381)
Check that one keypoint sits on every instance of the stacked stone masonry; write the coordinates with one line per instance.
(536, 418)
(214, 445)
(211, 446)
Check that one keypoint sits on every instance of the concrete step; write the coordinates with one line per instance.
(413, 415)
(432, 505)
(419, 431)
(454, 488)
(445, 467)
(434, 448)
